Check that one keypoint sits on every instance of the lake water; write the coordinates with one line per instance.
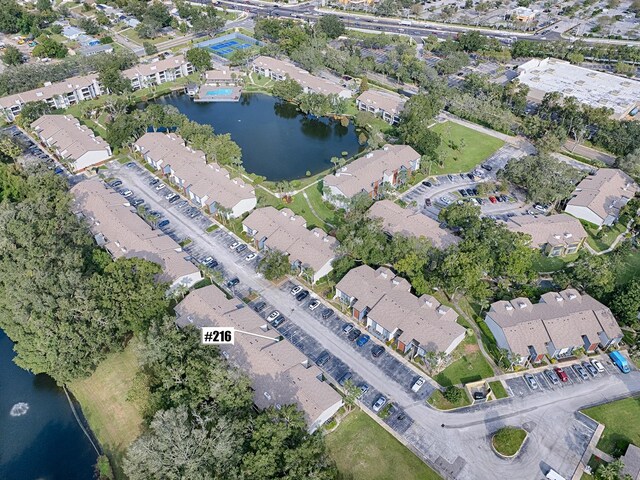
(39, 436)
(277, 141)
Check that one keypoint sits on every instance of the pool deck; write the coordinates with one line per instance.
(202, 96)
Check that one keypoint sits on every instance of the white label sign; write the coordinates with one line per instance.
(218, 335)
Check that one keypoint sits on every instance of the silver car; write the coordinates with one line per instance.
(553, 378)
(531, 381)
(380, 402)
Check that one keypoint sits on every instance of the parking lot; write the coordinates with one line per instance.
(519, 387)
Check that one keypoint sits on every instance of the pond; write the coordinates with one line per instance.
(39, 435)
(277, 141)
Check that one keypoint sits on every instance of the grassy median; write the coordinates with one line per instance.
(508, 440)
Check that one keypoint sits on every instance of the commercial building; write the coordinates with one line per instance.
(599, 197)
(73, 143)
(387, 105)
(206, 184)
(523, 14)
(384, 302)
(555, 235)
(282, 230)
(596, 89)
(158, 72)
(278, 70)
(558, 325)
(280, 374)
(397, 220)
(117, 227)
(371, 173)
(56, 95)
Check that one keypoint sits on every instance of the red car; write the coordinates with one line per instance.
(492, 199)
(561, 374)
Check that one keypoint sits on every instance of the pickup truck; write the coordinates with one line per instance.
(620, 361)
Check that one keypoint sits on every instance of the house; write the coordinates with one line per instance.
(208, 185)
(555, 235)
(598, 198)
(280, 374)
(87, 40)
(523, 14)
(388, 105)
(220, 77)
(593, 88)
(370, 173)
(57, 95)
(384, 302)
(95, 50)
(158, 72)
(397, 220)
(72, 33)
(116, 227)
(631, 462)
(278, 70)
(558, 325)
(72, 142)
(282, 230)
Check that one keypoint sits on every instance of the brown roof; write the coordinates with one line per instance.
(362, 173)
(605, 192)
(48, 91)
(204, 179)
(403, 221)
(288, 233)
(124, 234)
(559, 229)
(146, 69)
(279, 373)
(389, 102)
(218, 75)
(560, 317)
(368, 286)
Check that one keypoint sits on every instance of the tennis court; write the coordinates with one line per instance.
(226, 48)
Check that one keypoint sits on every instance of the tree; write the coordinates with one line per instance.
(149, 48)
(125, 129)
(331, 25)
(112, 79)
(207, 21)
(50, 48)
(464, 216)
(12, 56)
(415, 119)
(364, 85)
(453, 394)
(287, 89)
(591, 273)
(89, 26)
(43, 5)
(351, 394)
(31, 111)
(200, 58)
(630, 164)
(611, 471)
(274, 265)
(625, 304)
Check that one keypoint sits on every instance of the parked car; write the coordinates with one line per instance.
(326, 313)
(241, 248)
(163, 223)
(427, 184)
(364, 388)
(463, 192)
(561, 374)
(347, 327)
(296, 290)
(531, 381)
(470, 192)
(581, 372)
(260, 306)
(233, 282)
(590, 368)
(379, 403)
(492, 199)
(160, 186)
(344, 378)
(273, 315)
(250, 257)
(234, 245)
(137, 202)
(278, 321)
(131, 164)
(314, 304)
(377, 351)
(154, 181)
(174, 199)
(553, 378)
(427, 202)
(206, 261)
(169, 195)
(302, 295)
(540, 208)
(487, 167)
(599, 367)
(450, 177)
(116, 183)
(323, 358)
(417, 385)
(363, 340)
(355, 333)
(126, 193)
(479, 396)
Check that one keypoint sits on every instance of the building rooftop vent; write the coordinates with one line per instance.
(508, 307)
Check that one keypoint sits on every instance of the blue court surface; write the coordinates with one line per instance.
(227, 47)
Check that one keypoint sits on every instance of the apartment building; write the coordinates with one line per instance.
(554, 235)
(558, 325)
(282, 230)
(403, 221)
(278, 70)
(208, 185)
(72, 142)
(384, 302)
(598, 198)
(56, 95)
(118, 228)
(371, 173)
(280, 374)
(387, 105)
(158, 72)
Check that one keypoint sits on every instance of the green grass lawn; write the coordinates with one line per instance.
(472, 148)
(498, 389)
(132, 35)
(115, 421)
(508, 440)
(627, 267)
(622, 424)
(363, 450)
(438, 401)
(544, 263)
(471, 366)
(602, 241)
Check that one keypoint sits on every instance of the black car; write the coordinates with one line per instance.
(302, 295)
(260, 306)
(116, 183)
(427, 184)
(323, 358)
(463, 192)
(471, 176)
(488, 168)
(377, 351)
(344, 378)
(233, 282)
(326, 313)
(355, 333)
(212, 264)
(478, 396)
(470, 192)
(241, 248)
(137, 202)
(278, 321)
(153, 182)
(504, 198)
(174, 199)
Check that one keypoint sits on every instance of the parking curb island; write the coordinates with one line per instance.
(509, 457)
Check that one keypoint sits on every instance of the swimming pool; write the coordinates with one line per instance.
(219, 92)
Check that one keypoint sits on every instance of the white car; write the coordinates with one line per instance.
(296, 290)
(234, 245)
(127, 193)
(380, 402)
(273, 315)
(418, 384)
(446, 200)
(314, 304)
(250, 257)
(599, 367)
(160, 186)
(531, 381)
(169, 195)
